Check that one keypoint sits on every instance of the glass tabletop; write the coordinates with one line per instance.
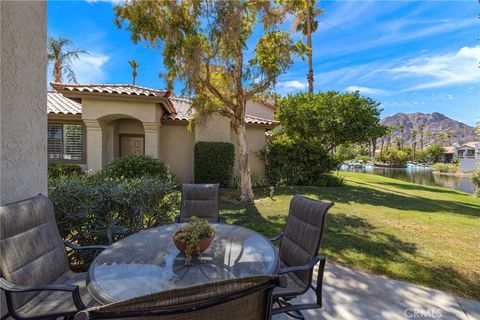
(148, 262)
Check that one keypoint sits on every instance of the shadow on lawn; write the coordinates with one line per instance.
(366, 193)
(353, 241)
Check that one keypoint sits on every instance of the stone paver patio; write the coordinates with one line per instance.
(351, 295)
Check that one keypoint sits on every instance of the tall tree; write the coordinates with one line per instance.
(477, 128)
(429, 137)
(449, 137)
(421, 127)
(204, 43)
(389, 133)
(402, 129)
(134, 65)
(62, 58)
(414, 144)
(305, 22)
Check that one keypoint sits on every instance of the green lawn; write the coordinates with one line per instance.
(425, 235)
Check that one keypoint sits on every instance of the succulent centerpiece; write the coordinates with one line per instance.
(194, 238)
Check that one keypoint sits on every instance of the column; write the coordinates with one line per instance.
(94, 144)
(152, 139)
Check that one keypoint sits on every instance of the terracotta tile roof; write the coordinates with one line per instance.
(470, 144)
(448, 149)
(57, 103)
(183, 106)
(122, 89)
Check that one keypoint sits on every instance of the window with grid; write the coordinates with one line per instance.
(65, 141)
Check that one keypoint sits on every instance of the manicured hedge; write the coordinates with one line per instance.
(214, 162)
(136, 167)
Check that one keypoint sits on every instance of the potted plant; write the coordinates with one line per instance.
(194, 238)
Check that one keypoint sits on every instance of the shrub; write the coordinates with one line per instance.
(395, 157)
(476, 179)
(435, 153)
(445, 167)
(57, 170)
(213, 162)
(298, 162)
(135, 167)
(94, 209)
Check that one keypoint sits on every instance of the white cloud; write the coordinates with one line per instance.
(90, 68)
(293, 85)
(443, 70)
(365, 90)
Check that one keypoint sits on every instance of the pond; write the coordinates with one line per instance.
(420, 175)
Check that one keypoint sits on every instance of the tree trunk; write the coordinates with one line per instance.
(246, 191)
(421, 141)
(309, 44)
(134, 74)
(381, 150)
(57, 72)
(374, 149)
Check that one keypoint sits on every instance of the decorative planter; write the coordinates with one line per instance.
(202, 245)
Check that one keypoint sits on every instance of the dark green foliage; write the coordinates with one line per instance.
(98, 210)
(299, 162)
(435, 153)
(330, 118)
(214, 162)
(57, 170)
(135, 167)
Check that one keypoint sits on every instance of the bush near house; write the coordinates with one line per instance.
(98, 210)
(435, 153)
(213, 162)
(135, 167)
(298, 162)
(56, 170)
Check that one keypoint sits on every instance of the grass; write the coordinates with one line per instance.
(424, 235)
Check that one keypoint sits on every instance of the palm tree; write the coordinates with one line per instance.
(62, 58)
(398, 142)
(134, 65)
(429, 136)
(402, 129)
(390, 130)
(421, 127)
(477, 128)
(306, 23)
(449, 137)
(414, 144)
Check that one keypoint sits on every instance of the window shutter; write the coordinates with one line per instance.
(73, 142)
(55, 141)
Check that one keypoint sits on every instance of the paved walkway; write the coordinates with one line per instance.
(351, 295)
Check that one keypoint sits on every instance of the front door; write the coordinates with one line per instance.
(132, 144)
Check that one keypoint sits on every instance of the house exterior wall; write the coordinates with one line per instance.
(260, 110)
(23, 103)
(176, 151)
(468, 165)
(213, 128)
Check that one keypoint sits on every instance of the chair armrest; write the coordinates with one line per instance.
(277, 237)
(221, 219)
(74, 289)
(305, 267)
(75, 247)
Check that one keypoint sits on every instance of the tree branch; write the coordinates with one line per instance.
(257, 89)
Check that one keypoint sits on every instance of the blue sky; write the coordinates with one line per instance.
(411, 56)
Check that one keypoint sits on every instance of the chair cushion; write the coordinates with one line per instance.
(302, 235)
(32, 250)
(48, 302)
(295, 286)
(199, 200)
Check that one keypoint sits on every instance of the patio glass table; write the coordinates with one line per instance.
(148, 262)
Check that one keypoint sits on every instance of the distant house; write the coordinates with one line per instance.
(93, 124)
(468, 153)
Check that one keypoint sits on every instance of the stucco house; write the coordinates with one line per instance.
(93, 124)
(468, 153)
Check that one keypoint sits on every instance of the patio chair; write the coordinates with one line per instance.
(200, 200)
(35, 274)
(298, 250)
(247, 298)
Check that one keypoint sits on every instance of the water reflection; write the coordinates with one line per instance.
(419, 175)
